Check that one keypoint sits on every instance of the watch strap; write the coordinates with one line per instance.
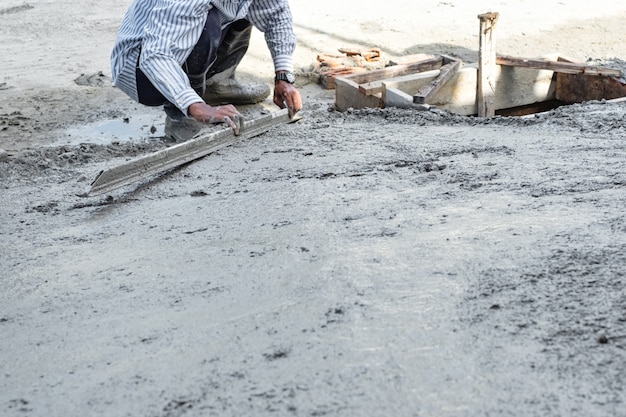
(287, 76)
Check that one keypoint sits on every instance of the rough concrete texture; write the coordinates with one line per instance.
(367, 263)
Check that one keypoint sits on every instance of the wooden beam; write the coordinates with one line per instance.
(412, 82)
(396, 70)
(394, 89)
(425, 93)
(350, 94)
(370, 83)
(514, 87)
(486, 90)
(561, 67)
(458, 95)
(347, 95)
(397, 98)
(327, 78)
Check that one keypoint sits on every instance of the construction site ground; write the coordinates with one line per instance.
(362, 263)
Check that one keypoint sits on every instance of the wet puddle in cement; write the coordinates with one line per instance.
(135, 129)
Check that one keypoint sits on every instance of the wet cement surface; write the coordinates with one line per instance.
(367, 263)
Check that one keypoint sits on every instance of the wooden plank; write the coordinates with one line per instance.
(412, 82)
(347, 95)
(486, 88)
(560, 67)
(393, 97)
(458, 95)
(395, 70)
(327, 78)
(514, 87)
(375, 86)
(347, 89)
(425, 93)
(447, 59)
(371, 82)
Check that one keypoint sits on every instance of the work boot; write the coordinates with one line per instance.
(224, 88)
(173, 112)
(178, 126)
(221, 86)
(182, 130)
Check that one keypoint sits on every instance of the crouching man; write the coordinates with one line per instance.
(182, 55)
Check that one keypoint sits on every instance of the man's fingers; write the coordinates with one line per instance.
(230, 122)
(280, 101)
(227, 114)
(293, 104)
(289, 107)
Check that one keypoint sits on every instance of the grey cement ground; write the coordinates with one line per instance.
(440, 268)
(368, 263)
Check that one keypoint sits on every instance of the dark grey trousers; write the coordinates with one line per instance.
(216, 51)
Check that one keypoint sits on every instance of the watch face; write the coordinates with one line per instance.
(290, 77)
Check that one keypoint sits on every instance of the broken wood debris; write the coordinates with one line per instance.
(366, 90)
(426, 93)
(369, 55)
(372, 82)
(353, 61)
(504, 84)
(513, 87)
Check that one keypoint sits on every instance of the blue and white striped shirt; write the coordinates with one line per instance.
(166, 32)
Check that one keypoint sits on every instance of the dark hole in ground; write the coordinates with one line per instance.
(539, 107)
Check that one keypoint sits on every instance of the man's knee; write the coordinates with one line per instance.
(147, 93)
(233, 47)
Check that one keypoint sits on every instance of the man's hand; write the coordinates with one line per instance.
(228, 114)
(286, 95)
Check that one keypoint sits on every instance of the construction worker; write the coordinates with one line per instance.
(182, 54)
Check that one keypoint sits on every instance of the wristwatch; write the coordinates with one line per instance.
(288, 76)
